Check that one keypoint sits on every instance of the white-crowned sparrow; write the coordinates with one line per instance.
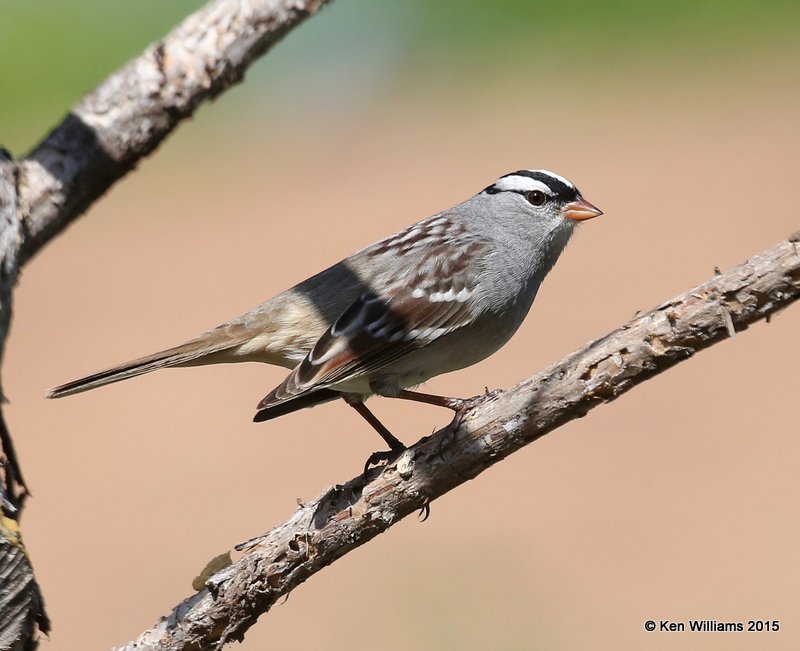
(443, 294)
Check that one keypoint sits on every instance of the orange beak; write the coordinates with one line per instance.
(581, 210)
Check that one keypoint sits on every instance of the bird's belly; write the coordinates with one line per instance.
(457, 350)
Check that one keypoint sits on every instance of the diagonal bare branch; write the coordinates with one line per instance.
(127, 116)
(495, 426)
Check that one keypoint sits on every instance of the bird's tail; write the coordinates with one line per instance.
(214, 346)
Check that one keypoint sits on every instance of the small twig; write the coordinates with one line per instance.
(726, 315)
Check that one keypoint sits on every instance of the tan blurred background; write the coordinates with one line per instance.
(679, 501)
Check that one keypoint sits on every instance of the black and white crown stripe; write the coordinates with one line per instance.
(439, 229)
(525, 181)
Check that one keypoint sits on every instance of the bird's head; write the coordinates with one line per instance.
(544, 195)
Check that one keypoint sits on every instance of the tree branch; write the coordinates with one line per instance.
(495, 426)
(21, 607)
(125, 118)
(103, 138)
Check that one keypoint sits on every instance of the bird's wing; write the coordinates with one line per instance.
(428, 301)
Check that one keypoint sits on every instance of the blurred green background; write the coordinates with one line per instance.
(55, 51)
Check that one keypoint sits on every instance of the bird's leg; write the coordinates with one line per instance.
(396, 445)
(456, 404)
(392, 441)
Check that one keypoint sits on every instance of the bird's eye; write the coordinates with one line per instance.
(537, 198)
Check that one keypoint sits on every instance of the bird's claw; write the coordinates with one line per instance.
(460, 407)
(457, 404)
(425, 512)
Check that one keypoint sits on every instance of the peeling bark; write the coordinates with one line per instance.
(22, 613)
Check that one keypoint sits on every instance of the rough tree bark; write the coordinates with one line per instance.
(103, 138)
(349, 515)
(21, 607)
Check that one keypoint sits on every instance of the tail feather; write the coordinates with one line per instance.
(197, 351)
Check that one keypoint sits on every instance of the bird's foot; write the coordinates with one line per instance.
(460, 406)
(456, 404)
(449, 437)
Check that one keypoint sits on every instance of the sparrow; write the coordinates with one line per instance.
(441, 295)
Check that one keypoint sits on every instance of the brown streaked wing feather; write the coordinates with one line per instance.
(424, 304)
